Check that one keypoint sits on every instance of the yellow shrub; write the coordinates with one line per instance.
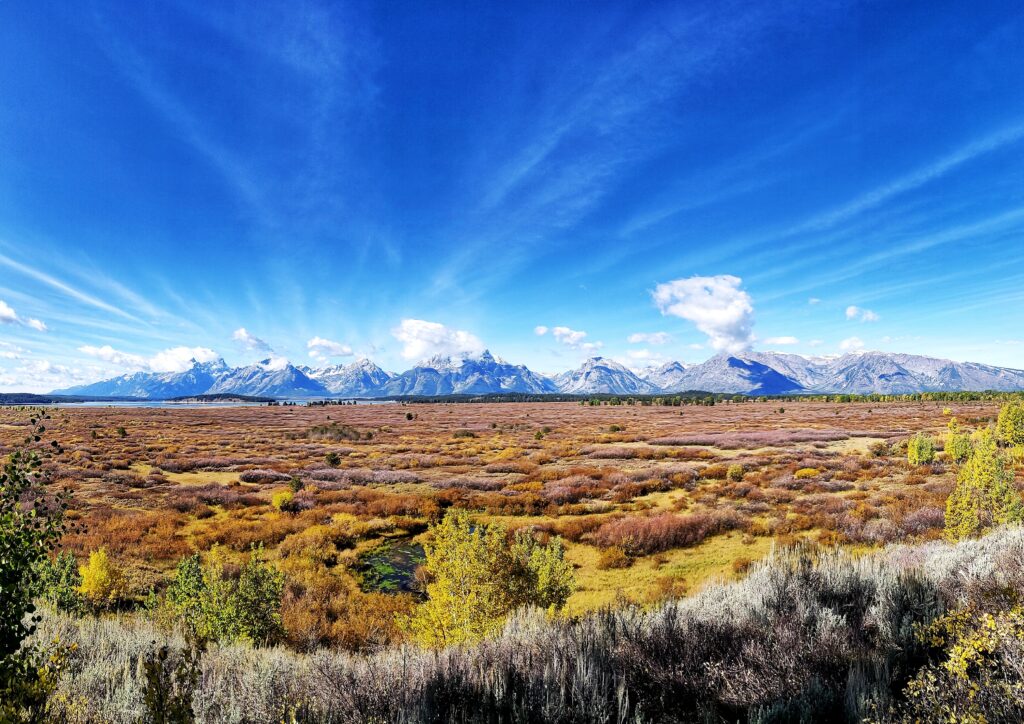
(283, 500)
(509, 453)
(526, 487)
(103, 582)
(804, 473)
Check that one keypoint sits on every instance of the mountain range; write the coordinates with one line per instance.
(752, 373)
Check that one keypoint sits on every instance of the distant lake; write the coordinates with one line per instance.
(187, 405)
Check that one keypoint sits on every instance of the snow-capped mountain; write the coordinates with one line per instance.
(602, 375)
(853, 373)
(156, 385)
(757, 373)
(444, 375)
(667, 377)
(271, 377)
(362, 378)
(726, 373)
(903, 373)
(808, 372)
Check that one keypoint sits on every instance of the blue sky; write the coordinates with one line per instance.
(320, 181)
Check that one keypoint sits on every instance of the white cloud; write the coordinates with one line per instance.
(41, 375)
(320, 348)
(9, 316)
(274, 363)
(815, 343)
(716, 305)
(9, 350)
(851, 344)
(567, 336)
(422, 339)
(782, 340)
(695, 345)
(115, 357)
(250, 341)
(865, 315)
(572, 338)
(540, 330)
(814, 300)
(645, 355)
(179, 359)
(649, 338)
(642, 360)
(175, 359)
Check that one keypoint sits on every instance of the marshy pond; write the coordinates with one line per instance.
(391, 567)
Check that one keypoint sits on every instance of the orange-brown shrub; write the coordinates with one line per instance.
(642, 536)
(613, 557)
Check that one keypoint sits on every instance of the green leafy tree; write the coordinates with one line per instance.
(476, 579)
(920, 449)
(958, 443)
(1010, 425)
(220, 607)
(59, 581)
(544, 577)
(985, 495)
(186, 594)
(255, 607)
(31, 526)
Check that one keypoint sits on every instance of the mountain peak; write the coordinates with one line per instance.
(856, 372)
(274, 364)
(602, 375)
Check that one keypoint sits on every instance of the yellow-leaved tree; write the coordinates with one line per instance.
(476, 578)
(958, 443)
(103, 583)
(1010, 426)
(920, 449)
(985, 495)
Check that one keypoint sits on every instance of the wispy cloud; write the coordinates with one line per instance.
(333, 60)
(864, 315)
(971, 150)
(587, 128)
(656, 338)
(250, 341)
(63, 287)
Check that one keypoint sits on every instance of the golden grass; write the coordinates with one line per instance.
(709, 561)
